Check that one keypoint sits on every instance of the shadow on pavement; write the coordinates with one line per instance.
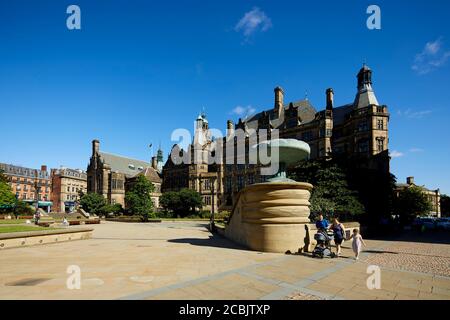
(380, 251)
(213, 241)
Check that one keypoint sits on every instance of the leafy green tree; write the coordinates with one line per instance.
(23, 209)
(138, 199)
(191, 199)
(445, 205)
(331, 193)
(93, 203)
(181, 203)
(7, 197)
(111, 208)
(3, 178)
(412, 202)
(170, 201)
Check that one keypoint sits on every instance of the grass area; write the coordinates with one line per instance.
(12, 221)
(9, 229)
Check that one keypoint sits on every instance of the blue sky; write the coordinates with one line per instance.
(137, 70)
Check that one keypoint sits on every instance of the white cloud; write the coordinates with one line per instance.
(396, 154)
(411, 114)
(244, 111)
(252, 22)
(431, 58)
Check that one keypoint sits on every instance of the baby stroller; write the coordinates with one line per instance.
(323, 247)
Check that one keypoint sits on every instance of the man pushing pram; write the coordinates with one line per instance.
(324, 236)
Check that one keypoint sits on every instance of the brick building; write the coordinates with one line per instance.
(66, 186)
(30, 185)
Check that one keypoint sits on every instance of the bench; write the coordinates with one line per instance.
(44, 224)
(92, 221)
(26, 217)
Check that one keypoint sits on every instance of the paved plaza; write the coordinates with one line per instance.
(182, 260)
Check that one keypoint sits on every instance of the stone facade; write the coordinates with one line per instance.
(196, 174)
(355, 130)
(23, 182)
(108, 174)
(358, 130)
(66, 186)
(434, 196)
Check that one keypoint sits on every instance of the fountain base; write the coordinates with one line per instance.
(271, 217)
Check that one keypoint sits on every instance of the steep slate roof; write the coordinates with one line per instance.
(305, 111)
(151, 174)
(121, 164)
(365, 97)
(341, 112)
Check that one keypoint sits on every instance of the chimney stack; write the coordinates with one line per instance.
(410, 180)
(43, 167)
(95, 147)
(155, 163)
(330, 99)
(279, 96)
(230, 128)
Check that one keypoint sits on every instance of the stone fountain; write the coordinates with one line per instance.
(271, 216)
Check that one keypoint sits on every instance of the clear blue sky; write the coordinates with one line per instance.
(139, 69)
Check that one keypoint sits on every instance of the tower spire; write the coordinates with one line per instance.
(365, 95)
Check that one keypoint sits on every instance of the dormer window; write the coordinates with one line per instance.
(131, 166)
(141, 168)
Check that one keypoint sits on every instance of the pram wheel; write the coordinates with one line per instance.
(333, 255)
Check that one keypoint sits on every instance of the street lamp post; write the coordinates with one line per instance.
(211, 222)
(37, 189)
(15, 205)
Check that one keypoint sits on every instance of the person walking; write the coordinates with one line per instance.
(357, 244)
(339, 234)
(37, 217)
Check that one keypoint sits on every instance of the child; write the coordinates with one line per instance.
(357, 243)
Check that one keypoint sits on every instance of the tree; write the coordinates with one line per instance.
(93, 203)
(111, 208)
(411, 202)
(331, 193)
(23, 209)
(181, 203)
(7, 197)
(191, 199)
(170, 201)
(3, 178)
(445, 205)
(138, 198)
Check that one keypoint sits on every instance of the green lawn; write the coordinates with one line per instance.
(9, 229)
(12, 221)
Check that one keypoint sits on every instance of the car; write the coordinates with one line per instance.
(428, 223)
(443, 223)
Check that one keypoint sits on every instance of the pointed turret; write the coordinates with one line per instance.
(366, 95)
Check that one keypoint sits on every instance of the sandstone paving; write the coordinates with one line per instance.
(182, 260)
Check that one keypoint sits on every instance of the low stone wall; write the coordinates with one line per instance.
(32, 238)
